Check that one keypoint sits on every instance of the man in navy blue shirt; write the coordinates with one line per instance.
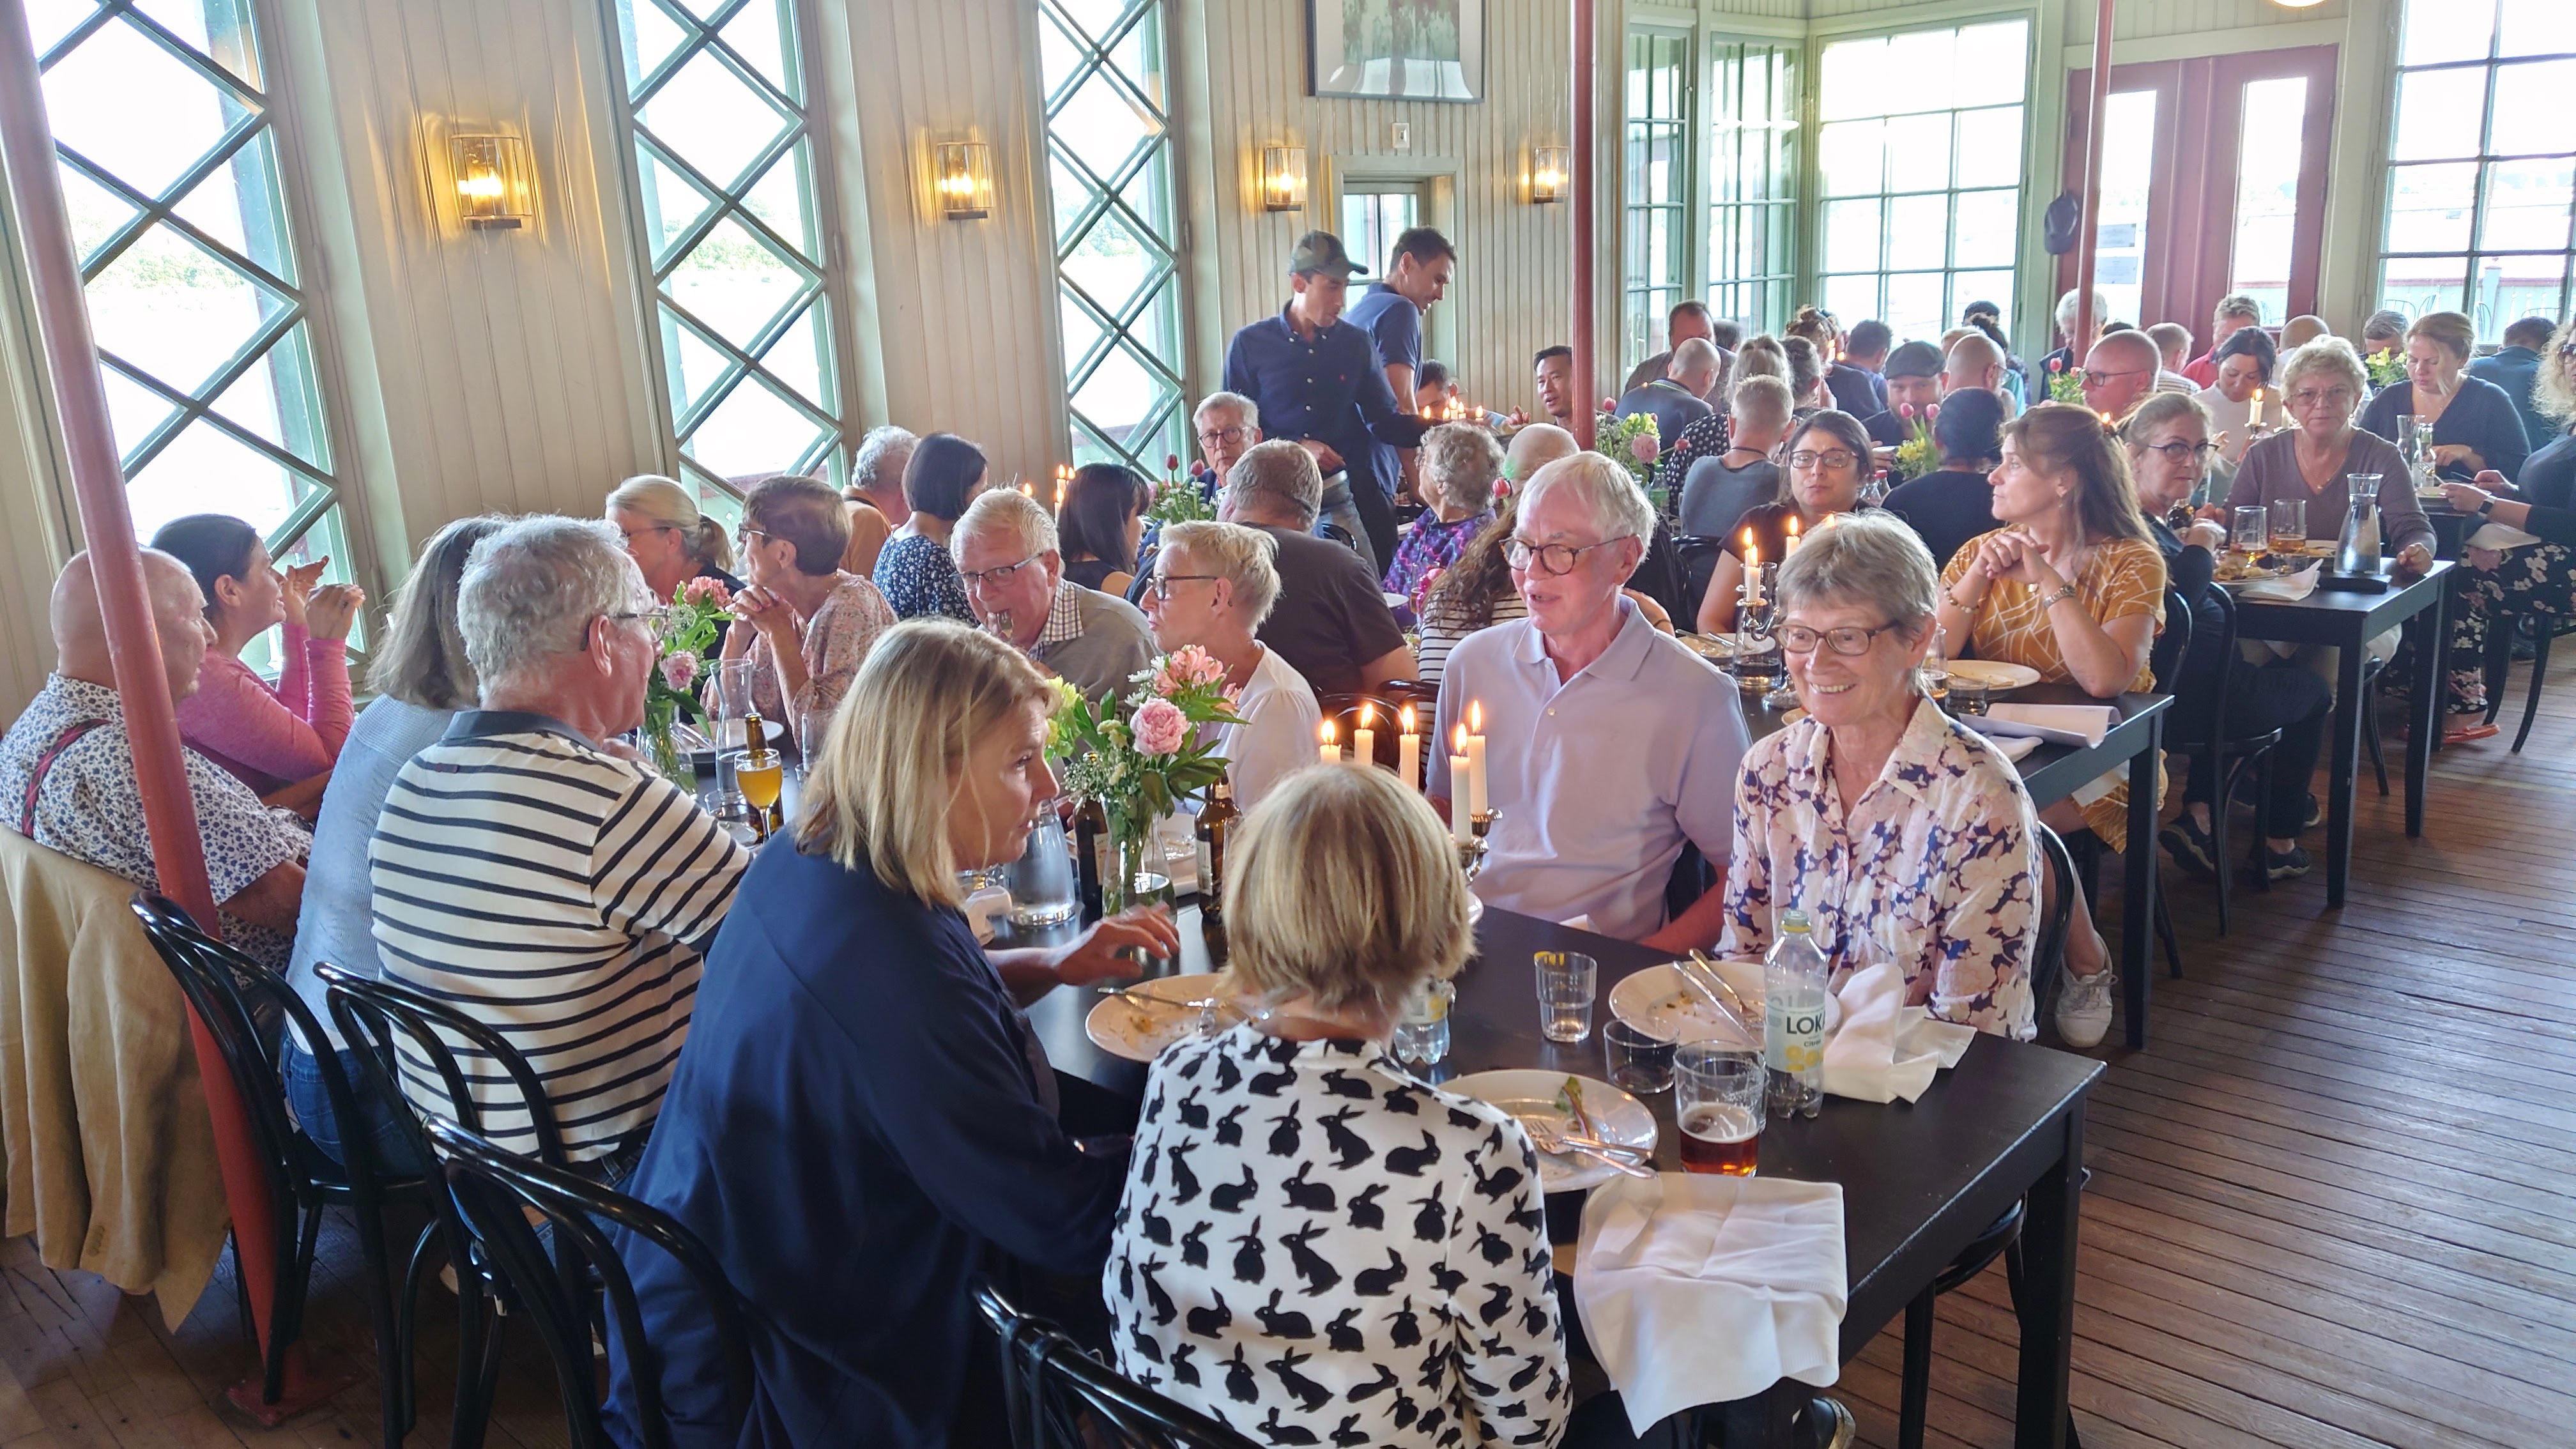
(1391, 312)
(1317, 381)
(2514, 367)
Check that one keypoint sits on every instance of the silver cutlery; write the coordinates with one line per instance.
(1548, 1140)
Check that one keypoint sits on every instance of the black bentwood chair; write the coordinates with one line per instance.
(2223, 759)
(2504, 630)
(379, 1019)
(232, 995)
(1060, 1397)
(582, 1287)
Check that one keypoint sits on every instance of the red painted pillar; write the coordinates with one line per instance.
(2097, 121)
(1587, 393)
(107, 528)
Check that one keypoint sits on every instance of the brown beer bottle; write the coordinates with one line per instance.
(1090, 839)
(1215, 823)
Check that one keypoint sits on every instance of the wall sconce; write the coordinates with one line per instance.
(494, 186)
(1549, 167)
(964, 172)
(1283, 178)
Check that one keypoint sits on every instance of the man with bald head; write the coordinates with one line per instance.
(1974, 361)
(67, 767)
(1534, 447)
(2120, 372)
(1675, 400)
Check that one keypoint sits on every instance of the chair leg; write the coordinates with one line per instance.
(2218, 813)
(2165, 930)
(2539, 672)
(393, 1370)
(1914, 1394)
(479, 1335)
(2498, 660)
(2370, 731)
(2262, 794)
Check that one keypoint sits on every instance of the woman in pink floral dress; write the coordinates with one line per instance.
(809, 624)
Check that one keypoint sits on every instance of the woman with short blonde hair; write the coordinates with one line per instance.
(2475, 424)
(862, 1115)
(1342, 899)
(669, 539)
(1211, 587)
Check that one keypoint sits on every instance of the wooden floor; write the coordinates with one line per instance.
(2333, 1204)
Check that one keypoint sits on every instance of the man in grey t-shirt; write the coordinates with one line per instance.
(1005, 547)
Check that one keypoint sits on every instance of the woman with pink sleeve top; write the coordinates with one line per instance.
(270, 736)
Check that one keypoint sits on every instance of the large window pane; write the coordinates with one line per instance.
(2537, 27)
(1657, 190)
(2120, 245)
(2438, 112)
(2447, 31)
(724, 168)
(169, 167)
(2267, 190)
(2535, 108)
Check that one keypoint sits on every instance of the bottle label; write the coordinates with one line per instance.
(1793, 1041)
(1211, 885)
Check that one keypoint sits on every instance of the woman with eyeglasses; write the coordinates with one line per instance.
(810, 624)
(2072, 587)
(1903, 835)
(2474, 423)
(1212, 585)
(1828, 464)
(2321, 383)
(2169, 455)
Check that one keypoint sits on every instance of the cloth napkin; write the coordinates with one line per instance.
(2068, 724)
(2289, 588)
(2499, 537)
(1696, 1289)
(1885, 1049)
(2016, 748)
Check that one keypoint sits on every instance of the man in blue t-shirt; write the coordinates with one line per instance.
(1417, 274)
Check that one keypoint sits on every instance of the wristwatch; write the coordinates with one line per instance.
(2488, 506)
(2065, 591)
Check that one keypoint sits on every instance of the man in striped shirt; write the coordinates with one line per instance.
(543, 882)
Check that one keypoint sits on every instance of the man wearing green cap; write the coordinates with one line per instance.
(1318, 382)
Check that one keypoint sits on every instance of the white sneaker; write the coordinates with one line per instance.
(2084, 1008)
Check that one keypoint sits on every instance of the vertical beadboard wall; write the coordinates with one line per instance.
(41, 532)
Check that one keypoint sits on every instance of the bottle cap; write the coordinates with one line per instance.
(1793, 922)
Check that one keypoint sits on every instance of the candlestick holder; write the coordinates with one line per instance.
(1471, 852)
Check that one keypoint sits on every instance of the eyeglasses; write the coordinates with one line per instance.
(748, 534)
(1850, 639)
(656, 619)
(999, 576)
(2308, 397)
(2182, 452)
(1221, 437)
(1160, 585)
(1836, 458)
(2096, 377)
(1553, 558)
(2567, 349)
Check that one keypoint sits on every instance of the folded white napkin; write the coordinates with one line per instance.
(2017, 748)
(1697, 1289)
(2499, 537)
(1885, 1049)
(985, 909)
(2289, 588)
(2067, 724)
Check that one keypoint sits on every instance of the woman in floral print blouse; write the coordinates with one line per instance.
(1892, 826)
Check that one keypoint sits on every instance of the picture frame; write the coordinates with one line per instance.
(1396, 50)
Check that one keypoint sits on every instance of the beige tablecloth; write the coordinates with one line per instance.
(109, 1150)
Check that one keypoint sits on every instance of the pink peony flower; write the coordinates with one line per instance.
(680, 670)
(1161, 728)
(1644, 448)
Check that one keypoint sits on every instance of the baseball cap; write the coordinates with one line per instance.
(1321, 251)
(1914, 359)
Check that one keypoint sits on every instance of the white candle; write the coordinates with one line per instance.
(1460, 806)
(1364, 739)
(1476, 757)
(1792, 546)
(1752, 571)
(1327, 752)
(1408, 752)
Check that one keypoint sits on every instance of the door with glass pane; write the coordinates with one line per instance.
(1372, 219)
(2213, 183)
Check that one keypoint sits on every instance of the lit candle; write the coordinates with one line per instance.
(1752, 571)
(1408, 752)
(1792, 545)
(1364, 739)
(1326, 750)
(1476, 756)
(1461, 808)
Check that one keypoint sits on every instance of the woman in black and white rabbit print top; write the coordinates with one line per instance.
(1313, 1246)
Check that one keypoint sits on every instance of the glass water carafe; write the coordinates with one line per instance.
(2357, 548)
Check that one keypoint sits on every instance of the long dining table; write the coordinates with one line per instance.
(1920, 1181)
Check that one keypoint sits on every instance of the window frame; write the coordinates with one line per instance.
(1646, 304)
(1777, 290)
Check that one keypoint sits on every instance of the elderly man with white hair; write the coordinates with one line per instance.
(1213, 586)
(1608, 746)
(1227, 424)
(1005, 547)
(874, 496)
(537, 877)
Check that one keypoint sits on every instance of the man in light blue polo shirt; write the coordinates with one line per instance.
(1608, 746)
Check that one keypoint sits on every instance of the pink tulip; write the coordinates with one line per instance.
(1905, 411)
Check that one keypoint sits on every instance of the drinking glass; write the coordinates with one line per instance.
(1967, 696)
(2289, 525)
(1639, 1061)
(812, 724)
(732, 708)
(1042, 885)
(2248, 533)
(1565, 981)
(1717, 1101)
(757, 776)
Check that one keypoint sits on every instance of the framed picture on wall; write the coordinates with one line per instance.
(1407, 50)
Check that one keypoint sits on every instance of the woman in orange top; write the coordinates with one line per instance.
(2073, 587)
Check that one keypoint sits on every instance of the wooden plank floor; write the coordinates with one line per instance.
(2334, 1204)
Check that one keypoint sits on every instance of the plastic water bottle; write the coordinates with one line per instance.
(1794, 979)
(1422, 1030)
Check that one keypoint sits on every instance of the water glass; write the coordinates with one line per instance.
(1717, 1102)
(2289, 525)
(1041, 882)
(1967, 696)
(812, 724)
(2249, 531)
(1422, 1028)
(1565, 982)
(1638, 1060)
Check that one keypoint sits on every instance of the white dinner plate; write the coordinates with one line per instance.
(1534, 1096)
(1992, 673)
(1139, 1025)
(1709, 646)
(1658, 1002)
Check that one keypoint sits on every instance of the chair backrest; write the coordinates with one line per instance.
(378, 1017)
(2164, 660)
(1699, 565)
(242, 1004)
(2048, 953)
(492, 1188)
(2226, 603)
(1059, 1397)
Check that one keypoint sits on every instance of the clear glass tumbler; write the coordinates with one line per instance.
(1717, 1101)
(1565, 984)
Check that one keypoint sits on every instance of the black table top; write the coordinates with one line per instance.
(1919, 1180)
(2053, 771)
(2339, 616)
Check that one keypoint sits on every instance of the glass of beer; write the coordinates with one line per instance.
(1565, 985)
(1717, 1100)
(2289, 525)
(757, 773)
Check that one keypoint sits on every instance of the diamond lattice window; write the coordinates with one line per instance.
(725, 176)
(1109, 167)
(169, 168)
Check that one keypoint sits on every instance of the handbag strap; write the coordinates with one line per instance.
(69, 736)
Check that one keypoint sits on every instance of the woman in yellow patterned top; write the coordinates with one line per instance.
(2073, 587)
